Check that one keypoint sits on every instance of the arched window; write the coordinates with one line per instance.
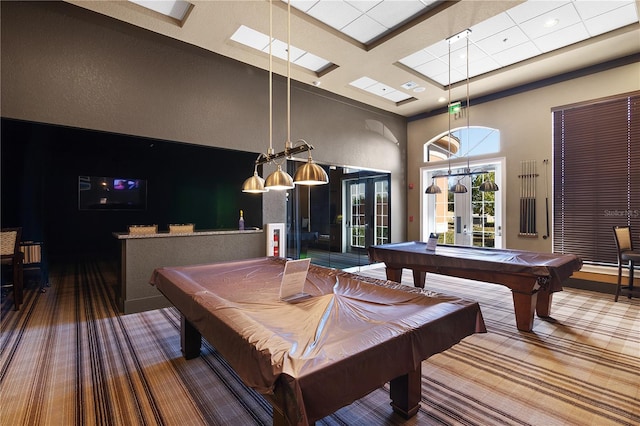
(463, 142)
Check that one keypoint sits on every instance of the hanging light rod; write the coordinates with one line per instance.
(288, 152)
(466, 172)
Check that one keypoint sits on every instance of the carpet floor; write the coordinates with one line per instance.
(69, 358)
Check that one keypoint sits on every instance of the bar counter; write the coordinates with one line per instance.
(140, 255)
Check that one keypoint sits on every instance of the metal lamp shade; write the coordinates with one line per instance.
(459, 188)
(433, 189)
(279, 180)
(254, 184)
(310, 174)
(488, 186)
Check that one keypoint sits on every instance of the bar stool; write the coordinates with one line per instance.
(626, 254)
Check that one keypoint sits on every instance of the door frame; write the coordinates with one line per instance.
(426, 200)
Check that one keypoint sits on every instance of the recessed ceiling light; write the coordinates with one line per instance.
(551, 23)
(419, 89)
(442, 99)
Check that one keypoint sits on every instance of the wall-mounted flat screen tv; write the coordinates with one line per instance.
(111, 193)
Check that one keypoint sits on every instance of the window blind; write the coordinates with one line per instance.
(596, 176)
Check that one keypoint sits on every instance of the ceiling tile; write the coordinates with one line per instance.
(416, 59)
(363, 29)
(391, 13)
(380, 89)
(363, 5)
(503, 40)
(397, 96)
(176, 9)
(435, 67)
(335, 13)
(251, 38)
(491, 26)
(443, 78)
(363, 82)
(516, 54)
(312, 62)
(564, 37)
(482, 66)
(279, 50)
(589, 9)
(439, 49)
(566, 16)
(260, 41)
(530, 9)
(303, 5)
(612, 20)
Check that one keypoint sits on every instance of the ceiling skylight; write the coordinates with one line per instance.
(372, 86)
(176, 9)
(522, 32)
(260, 41)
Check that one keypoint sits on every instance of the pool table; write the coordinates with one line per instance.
(531, 276)
(313, 357)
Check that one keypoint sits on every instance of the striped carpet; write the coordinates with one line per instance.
(68, 358)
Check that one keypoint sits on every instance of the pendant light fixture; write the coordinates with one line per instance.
(309, 173)
(255, 184)
(281, 180)
(459, 187)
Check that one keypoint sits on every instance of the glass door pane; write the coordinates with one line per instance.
(357, 220)
(381, 218)
(334, 224)
(484, 213)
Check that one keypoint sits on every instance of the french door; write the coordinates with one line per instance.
(368, 212)
(472, 218)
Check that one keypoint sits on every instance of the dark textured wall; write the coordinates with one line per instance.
(67, 66)
(185, 184)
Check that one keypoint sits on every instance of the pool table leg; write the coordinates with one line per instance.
(524, 305)
(406, 392)
(190, 339)
(543, 307)
(394, 274)
(419, 278)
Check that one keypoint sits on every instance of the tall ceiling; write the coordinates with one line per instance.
(395, 54)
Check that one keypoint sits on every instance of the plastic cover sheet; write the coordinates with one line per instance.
(556, 267)
(351, 337)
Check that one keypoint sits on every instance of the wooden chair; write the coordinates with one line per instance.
(11, 256)
(626, 255)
